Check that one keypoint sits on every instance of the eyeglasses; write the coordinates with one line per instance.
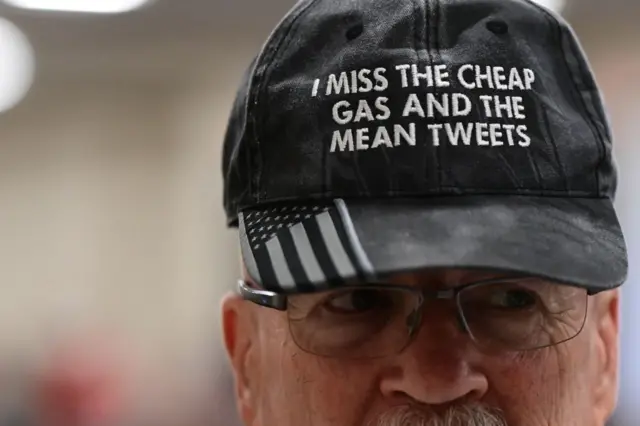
(377, 320)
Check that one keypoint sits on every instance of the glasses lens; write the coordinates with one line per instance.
(523, 314)
(356, 323)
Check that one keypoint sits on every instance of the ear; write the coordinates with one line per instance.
(239, 341)
(606, 322)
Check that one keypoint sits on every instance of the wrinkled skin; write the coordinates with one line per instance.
(440, 379)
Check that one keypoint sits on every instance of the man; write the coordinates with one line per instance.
(424, 194)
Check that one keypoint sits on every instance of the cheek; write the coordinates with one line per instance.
(311, 390)
(540, 387)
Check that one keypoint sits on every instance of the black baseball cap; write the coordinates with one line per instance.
(378, 136)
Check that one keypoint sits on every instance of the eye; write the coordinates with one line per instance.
(513, 299)
(359, 302)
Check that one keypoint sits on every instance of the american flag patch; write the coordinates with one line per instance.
(297, 248)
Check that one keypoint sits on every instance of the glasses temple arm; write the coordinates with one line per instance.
(264, 298)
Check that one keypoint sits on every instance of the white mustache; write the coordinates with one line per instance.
(469, 415)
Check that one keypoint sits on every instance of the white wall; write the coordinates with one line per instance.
(83, 184)
(111, 220)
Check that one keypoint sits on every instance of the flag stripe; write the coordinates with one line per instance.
(344, 240)
(247, 254)
(289, 249)
(307, 257)
(280, 267)
(334, 245)
(267, 273)
(354, 241)
(322, 253)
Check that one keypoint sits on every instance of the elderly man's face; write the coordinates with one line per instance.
(440, 378)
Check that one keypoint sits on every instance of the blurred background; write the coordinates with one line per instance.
(112, 238)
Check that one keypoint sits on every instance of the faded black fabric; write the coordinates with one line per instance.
(277, 148)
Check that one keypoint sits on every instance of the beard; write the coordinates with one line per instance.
(468, 415)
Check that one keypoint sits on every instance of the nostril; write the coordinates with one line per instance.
(354, 32)
(498, 27)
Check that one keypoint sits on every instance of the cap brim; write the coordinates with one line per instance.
(570, 240)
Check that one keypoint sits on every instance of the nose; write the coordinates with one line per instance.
(438, 368)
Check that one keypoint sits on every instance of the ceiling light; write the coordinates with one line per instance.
(17, 65)
(85, 6)
(555, 5)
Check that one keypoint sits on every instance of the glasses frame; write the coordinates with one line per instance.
(279, 302)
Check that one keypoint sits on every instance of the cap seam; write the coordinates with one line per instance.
(547, 134)
(580, 100)
(270, 53)
(252, 105)
(319, 197)
(593, 125)
(424, 45)
(594, 120)
(586, 73)
(437, 58)
(545, 120)
(455, 191)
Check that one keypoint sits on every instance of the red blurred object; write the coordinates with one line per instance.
(82, 387)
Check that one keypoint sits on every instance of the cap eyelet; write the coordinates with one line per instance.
(498, 27)
(354, 32)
